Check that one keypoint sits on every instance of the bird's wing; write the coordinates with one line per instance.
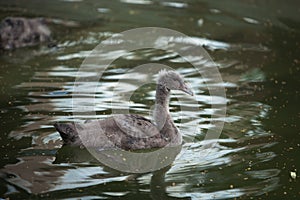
(136, 125)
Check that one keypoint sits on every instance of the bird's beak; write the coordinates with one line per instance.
(187, 90)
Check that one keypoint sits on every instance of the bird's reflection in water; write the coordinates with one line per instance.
(158, 185)
(157, 182)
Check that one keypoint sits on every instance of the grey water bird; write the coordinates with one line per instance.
(16, 32)
(131, 131)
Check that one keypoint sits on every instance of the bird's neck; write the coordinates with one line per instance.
(162, 117)
(161, 111)
(162, 96)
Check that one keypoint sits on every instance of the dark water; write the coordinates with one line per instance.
(256, 45)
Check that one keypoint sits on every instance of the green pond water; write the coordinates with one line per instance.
(256, 47)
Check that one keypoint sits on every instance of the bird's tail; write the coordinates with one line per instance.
(67, 132)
